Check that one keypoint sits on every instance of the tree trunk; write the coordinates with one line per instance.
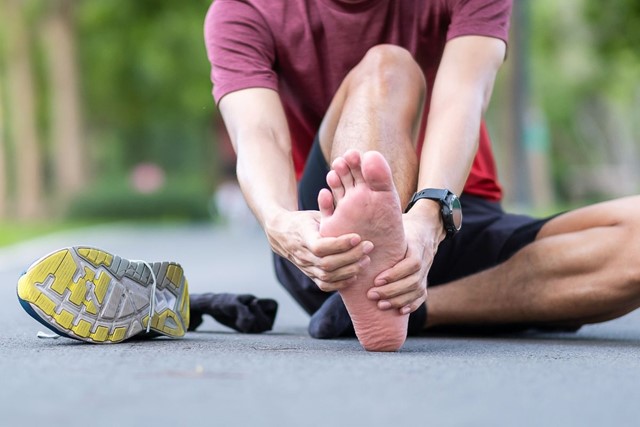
(67, 139)
(3, 168)
(22, 114)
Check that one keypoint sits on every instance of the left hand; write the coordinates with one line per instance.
(404, 286)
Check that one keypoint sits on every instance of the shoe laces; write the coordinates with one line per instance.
(154, 286)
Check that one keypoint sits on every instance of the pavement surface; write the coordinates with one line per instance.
(217, 377)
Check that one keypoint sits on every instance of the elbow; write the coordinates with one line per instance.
(485, 94)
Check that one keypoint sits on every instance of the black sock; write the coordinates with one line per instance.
(332, 320)
(243, 313)
(417, 319)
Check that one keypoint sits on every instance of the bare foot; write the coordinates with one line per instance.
(367, 203)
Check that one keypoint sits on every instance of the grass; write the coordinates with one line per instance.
(15, 232)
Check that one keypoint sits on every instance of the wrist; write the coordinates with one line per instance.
(274, 220)
(427, 211)
(450, 207)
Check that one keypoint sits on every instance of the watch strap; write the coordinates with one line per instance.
(436, 194)
(443, 197)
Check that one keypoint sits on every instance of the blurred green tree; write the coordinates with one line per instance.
(67, 147)
(93, 89)
(21, 115)
(586, 64)
(145, 83)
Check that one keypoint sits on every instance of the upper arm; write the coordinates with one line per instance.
(476, 46)
(468, 67)
(255, 114)
(489, 18)
(240, 48)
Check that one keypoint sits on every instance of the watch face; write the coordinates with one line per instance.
(456, 211)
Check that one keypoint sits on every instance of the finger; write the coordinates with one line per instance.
(413, 306)
(325, 246)
(339, 274)
(401, 301)
(334, 182)
(392, 290)
(344, 259)
(405, 268)
(334, 286)
(325, 203)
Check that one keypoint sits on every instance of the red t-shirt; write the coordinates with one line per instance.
(304, 49)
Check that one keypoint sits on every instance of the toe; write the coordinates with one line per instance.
(343, 171)
(325, 203)
(334, 182)
(354, 161)
(376, 172)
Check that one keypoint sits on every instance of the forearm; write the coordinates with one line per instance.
(260, 136)
(451, 140)
(461, 94)
(266, 176)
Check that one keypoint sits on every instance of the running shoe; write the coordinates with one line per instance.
(91, 295)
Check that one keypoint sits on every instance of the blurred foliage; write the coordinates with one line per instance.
(146, 83)
(616, 40)
(615, 26)
(585, 73)
(146, 98)
(173, 202)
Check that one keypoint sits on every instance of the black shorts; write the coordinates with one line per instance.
(488, 237)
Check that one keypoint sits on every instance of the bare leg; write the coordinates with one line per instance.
(584, 267)
(367, 203)
(377, 107)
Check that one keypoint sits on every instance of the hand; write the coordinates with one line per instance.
(404, 286)
(331, 262)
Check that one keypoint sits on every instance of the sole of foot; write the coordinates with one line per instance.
(363, 200)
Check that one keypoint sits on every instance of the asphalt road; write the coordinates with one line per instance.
(216, 377)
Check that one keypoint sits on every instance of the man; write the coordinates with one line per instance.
(304, 84)
(391, 94)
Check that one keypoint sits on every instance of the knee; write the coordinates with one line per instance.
(629, 242)
(624, 272)
(388, 68)
(632, 273)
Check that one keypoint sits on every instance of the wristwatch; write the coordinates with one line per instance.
(450, 207)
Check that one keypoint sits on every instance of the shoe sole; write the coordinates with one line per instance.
(94, 296)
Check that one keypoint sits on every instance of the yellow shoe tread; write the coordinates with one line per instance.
(78, 307)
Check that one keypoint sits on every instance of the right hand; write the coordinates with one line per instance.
(331, 262)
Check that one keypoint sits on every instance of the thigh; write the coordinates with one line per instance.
(624, 211)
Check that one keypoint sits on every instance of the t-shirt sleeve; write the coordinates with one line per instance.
(240, 48)
(480, 18)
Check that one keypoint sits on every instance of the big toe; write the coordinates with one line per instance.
(377, 172)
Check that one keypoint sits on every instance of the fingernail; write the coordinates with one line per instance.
(367, 247)
(364, 261)
(380, 282)
(374, 295)
(405, 310)
(355, 240)
(384, 305)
